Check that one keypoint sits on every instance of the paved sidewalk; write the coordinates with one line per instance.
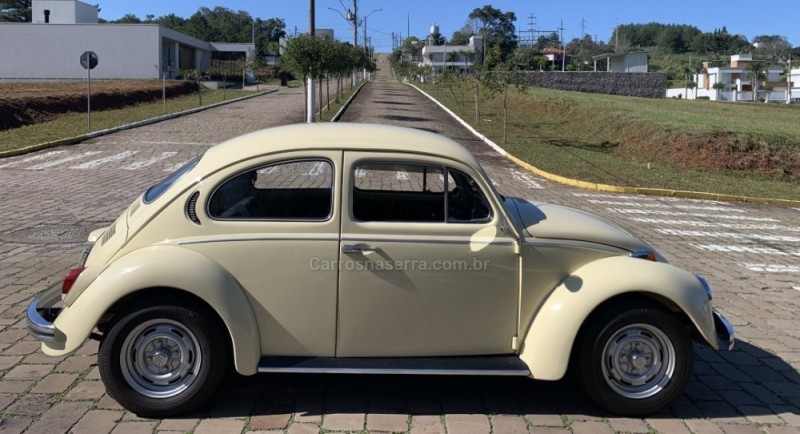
(49, 200)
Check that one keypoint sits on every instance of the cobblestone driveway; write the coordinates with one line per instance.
(51, 199)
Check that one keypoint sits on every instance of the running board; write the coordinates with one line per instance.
(487, 365)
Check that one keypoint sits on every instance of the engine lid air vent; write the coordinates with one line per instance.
(191, 208)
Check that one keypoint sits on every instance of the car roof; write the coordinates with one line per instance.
(335, 136)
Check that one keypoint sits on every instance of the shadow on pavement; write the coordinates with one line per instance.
(394, 102)
(745, 382)
(401, 118)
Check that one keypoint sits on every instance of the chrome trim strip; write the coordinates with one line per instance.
(725, 334)
(39, 328)
(381, 371)
(466, 241)
(273, 238)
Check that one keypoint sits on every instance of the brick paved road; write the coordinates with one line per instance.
(49, 200)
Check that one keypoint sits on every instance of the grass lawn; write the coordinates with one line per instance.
(741, 149)
(75, 124)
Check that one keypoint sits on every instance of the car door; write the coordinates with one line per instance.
(426, 266)
(269, 220)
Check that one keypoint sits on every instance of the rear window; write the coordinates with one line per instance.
(157, 190)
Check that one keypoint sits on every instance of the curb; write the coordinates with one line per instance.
(606, 187)
(346, 104)
(79, 139)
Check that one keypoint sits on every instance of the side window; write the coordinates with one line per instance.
(293, 190)
(400, 192)
(466, 202)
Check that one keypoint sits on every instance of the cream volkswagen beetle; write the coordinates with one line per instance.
(352, 248)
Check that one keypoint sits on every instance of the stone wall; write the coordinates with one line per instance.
(648, 85)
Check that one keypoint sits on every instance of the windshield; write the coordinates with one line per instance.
(157, 190)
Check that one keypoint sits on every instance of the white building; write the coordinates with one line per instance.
(61, 30)
(63, 12)
(624, 62)
(733, 82)
(459, 58)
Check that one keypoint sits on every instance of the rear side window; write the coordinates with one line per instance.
(291, 190)
(400, 192)
(157, 190)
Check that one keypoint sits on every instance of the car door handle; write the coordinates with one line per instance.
(349, 248)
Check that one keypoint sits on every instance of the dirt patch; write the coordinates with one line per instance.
(775, 158)
(26, 103)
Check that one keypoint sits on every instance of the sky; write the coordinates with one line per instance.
(596, 18)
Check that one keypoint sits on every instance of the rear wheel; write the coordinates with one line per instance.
(163, 357)
(634, 360)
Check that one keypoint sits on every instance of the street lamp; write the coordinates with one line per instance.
(366, 48)
(350, 17)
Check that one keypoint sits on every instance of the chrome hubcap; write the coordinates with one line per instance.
(160, 358)
(638, 361)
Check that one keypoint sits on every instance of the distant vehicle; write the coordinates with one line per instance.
(367, 249)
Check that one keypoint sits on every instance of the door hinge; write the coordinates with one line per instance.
(514, 343)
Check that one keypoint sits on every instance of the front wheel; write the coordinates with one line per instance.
(634, 360)
(163, 357)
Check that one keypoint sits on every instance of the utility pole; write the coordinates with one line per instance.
(583, 27)
(312, 113)
(563, 48)
(355, 23)
(789, 81)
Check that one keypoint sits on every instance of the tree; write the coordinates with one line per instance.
(171, 21)
(412, 47)
(718, 86)
(435, 38)
(450, 56)
(461, 36)
(18, 11)
(497, 28)
(526, 58)
(772, 47)
(500, 81)
(584, 49)
(127, 19)
(303, 58)
(719, 42)
(468, 56)
(548, 41)
(755, 72)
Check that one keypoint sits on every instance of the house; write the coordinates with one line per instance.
(556, 58)
(50, 46)
(734, 83)
(460, 58)
(636, 61)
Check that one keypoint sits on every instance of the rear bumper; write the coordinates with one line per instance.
(42, 312)
(725, 333)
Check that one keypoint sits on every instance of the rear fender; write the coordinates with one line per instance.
(162, 267)
(552, 332)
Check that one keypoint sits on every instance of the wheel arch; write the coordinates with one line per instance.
(150, 271)
(590, 289)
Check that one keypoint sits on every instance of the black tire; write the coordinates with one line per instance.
(163, 357)
(634, 360)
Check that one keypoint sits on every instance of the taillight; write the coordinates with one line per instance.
(644, 254)
(69, 280)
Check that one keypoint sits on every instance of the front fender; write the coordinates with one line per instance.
(162, 267)
(549, 339)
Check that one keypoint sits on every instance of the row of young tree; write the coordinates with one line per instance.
(324, 60)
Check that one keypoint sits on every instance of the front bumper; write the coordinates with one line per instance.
(42, 311)
(725, 334)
